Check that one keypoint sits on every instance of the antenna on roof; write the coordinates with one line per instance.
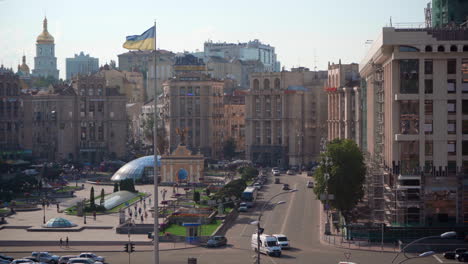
(315, 60)
(391, 21)
(428, 15)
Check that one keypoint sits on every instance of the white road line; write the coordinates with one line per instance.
(438, 259)
(289, 209)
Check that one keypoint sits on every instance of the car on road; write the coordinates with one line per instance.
(5, 257)
(243, 207)
(216, 241)
(277, 181)
(286, 187)
(64, 259)
(453, 254)
(290, 172)
(46, 257)
(23, 261)
(310, 184)
(268, 245)
(276, 173)
(462, 257)
(83, 261)
(283, 241)
(92, 256)
(258, 185)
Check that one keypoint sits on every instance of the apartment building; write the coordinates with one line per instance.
(415, 92)
(234, 118)
(286, 117)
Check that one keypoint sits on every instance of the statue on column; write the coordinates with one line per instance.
(182, 134)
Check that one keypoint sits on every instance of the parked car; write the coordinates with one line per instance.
(64, 259)
(6, 257)
(216, 241)
(34, 260)
(243, 207)
(462, 257)
(290, 172)
(4, 261)
(83, 261)
(46, 257)
(310, 184)
(257, 185)
(283, 241)
(276, 173)
(452, 254)
(92, 256)
(286, 187)
(23, 261)
(277, 181)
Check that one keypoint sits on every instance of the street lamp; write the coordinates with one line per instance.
(425, 254)
(43, 209)
(260, 217)
(326, 163)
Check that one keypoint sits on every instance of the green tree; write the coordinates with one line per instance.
(116, 186)
(101, 201)
(196, 197)
(92, 205)
(207, 191)
(346, 176)
(127, 185)
(229, 148)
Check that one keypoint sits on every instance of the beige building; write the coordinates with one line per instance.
(194, 101)
(286, 117)
(85, 121)
(344, 102)
(234, 118)
(415, 99)
(129, 83)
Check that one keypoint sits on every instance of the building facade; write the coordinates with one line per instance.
(81, 64)
(286, 117)
(416, 85)
(83, 122)
(343, 92)
(234, 118)
(129, 83)
(194, 101)
(45, 62)
(11, 113)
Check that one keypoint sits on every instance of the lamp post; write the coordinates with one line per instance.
(84, 211)
(43, 210)
(425, 254)
(326, 163)
(260, 217)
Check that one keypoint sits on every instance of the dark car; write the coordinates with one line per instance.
(216, 241)
(6, 257)
(286, 187)
(462, 257)
(452, 254)
(277, 181)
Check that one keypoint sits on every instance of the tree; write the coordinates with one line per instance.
(346, 175)
(196, 197)
(101, 202)
(92, 205)
(127, 185)
(148, 128)
(229, 148)
(116, 186)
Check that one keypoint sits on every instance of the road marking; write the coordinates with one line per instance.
(289, 209)
(438, 259)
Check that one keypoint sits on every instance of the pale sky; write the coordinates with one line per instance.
(300, 30)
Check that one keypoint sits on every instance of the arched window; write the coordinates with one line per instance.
(256, 84)
(428, 48)
(266, 84)
(277, 83)
(441, 48)
(453, 48)
(408, 49)
(465, 48)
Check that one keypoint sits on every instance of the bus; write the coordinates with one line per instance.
(249, 196)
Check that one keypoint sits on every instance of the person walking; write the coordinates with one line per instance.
(61, 242)
(141, 218)
(58, 208)
(131, 215)
(94, 215)
(139, 210)
(150, 200)
(66, 242)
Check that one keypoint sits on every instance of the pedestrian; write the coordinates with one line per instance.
(146, 214)
(61, 242)
(139, 210)
(149, 200)
(142, 218)
(94, 215)
(58, 208)
(131, 215)
(144, 206)
(141, 199)
(66, 242)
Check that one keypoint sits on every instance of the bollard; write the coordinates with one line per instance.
(192, 261)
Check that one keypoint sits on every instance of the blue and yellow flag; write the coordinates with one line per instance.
(144, 41)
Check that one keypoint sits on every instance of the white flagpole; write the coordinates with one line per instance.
(155, 168)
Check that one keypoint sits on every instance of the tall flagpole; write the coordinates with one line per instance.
(155, 168)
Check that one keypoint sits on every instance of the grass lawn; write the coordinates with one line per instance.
(4, 210)
(228, 210)
(68, 188)
(206, 230)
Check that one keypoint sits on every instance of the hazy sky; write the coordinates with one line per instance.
(298, 29)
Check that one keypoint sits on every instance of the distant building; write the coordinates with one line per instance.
(344, 102)
(234, 118)
(249, 51)
(285, 117)
(81, 64)
(45, 62)
(129, 83)
(24, 74)
(449, 13)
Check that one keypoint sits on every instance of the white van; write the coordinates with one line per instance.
(283, 241)
(268, 245)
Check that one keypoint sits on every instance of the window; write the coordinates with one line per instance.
(451, 66)
(256, 83)
(409, 76)
(90, 92)
(451, 86)
(465, 148)
(429, 146)
(91, 107)
(440, 48)
(465, 107)
(100, 107)
(464, 71)
(465, 127)
(428, 86)
(266, 84)
(453, 48)
(197, 90)
(452, 106)
(452, 148)
(428, 127)
(182, 91)
(100, 133)
(451, 167)
(408, 49)
(428, 48)
(465, 48)
(452, 127)
(428, 67)
(428, 107)
(277, 83)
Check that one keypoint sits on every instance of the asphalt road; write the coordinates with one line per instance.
(298, 218)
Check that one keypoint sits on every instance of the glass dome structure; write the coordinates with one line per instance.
(118, 198)
(138, 169)
(59, 223)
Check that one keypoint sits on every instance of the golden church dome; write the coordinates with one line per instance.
(45, 37)
(24, 67)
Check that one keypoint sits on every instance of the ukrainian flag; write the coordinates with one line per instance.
(144, 41)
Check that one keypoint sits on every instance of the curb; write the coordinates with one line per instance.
(110, 250)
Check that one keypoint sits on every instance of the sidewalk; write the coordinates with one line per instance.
(79, 249)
